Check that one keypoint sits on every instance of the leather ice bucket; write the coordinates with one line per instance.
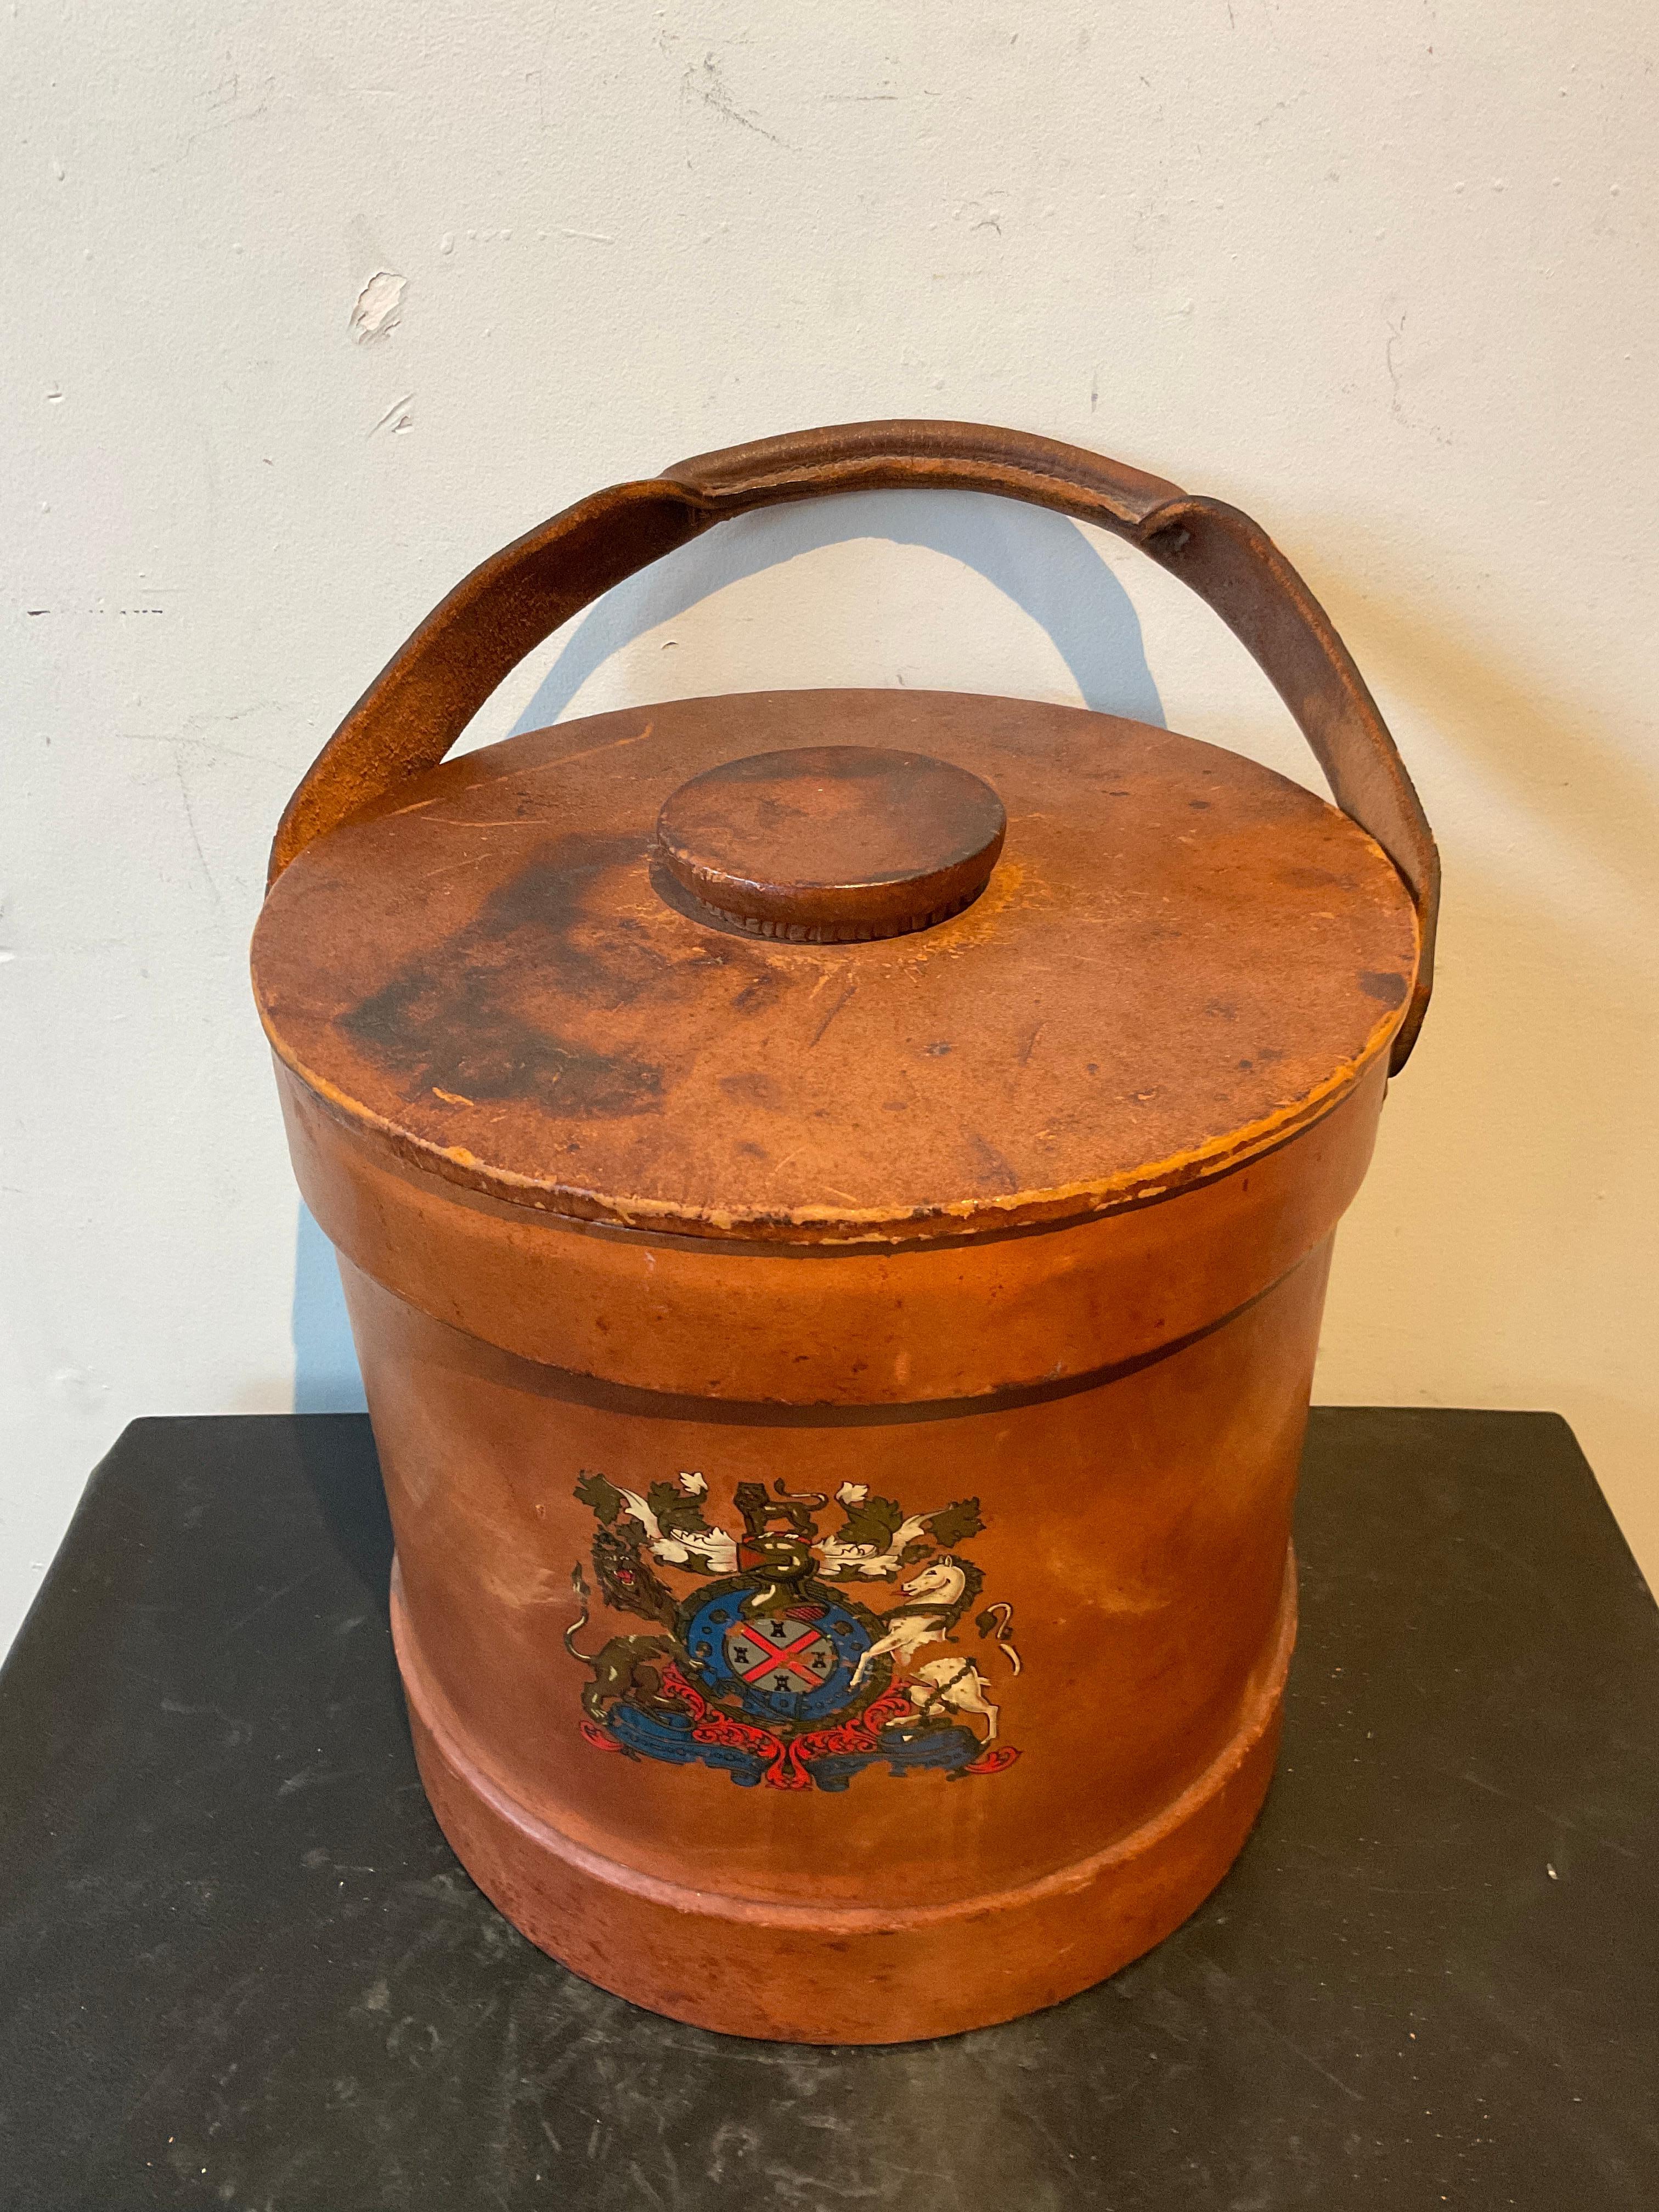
(833, 1191)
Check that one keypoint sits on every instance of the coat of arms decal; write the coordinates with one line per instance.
(771, 1668)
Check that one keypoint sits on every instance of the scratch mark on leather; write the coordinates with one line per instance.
(817, 1033)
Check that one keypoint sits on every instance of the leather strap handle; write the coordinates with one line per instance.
(414, 711)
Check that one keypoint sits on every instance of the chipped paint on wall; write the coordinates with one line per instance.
(379, 307)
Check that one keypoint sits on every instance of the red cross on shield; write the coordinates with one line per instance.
(780, 1655)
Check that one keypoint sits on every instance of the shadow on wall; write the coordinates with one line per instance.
(326, 1376)
(1041, 562)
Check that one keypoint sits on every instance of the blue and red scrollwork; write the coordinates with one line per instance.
(772, 1670)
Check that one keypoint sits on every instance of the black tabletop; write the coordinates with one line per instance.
(241, 1967)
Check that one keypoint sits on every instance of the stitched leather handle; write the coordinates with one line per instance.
(414, 711)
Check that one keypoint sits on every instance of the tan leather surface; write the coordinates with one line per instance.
(1139, 1531)
(414, 710)
(1180, 958)
(1133, 1527)
(858, 1326)
(832, 844)
(926, 456)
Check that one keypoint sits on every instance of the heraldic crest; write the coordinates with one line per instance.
(771, 1667)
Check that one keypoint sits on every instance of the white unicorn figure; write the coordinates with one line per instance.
(938, 1594)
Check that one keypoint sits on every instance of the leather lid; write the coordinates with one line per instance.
(1180, 958)
(832, 844)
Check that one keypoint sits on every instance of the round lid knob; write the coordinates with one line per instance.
(833, 844)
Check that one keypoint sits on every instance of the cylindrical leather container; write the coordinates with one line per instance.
(833, 1191)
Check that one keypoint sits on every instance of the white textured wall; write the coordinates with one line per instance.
(1383, 274)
